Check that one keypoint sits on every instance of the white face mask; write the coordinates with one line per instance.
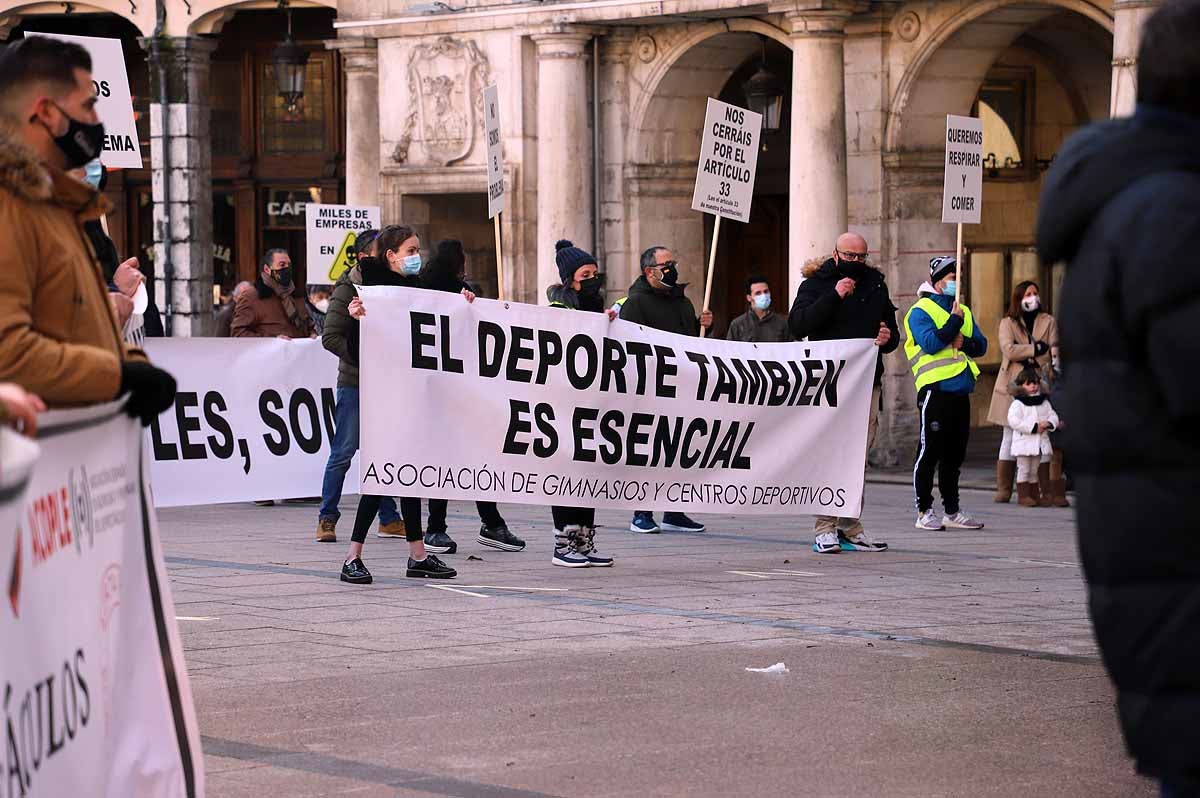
(321, 305)
(1031, 303)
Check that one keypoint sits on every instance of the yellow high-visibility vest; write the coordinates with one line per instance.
(945, 364)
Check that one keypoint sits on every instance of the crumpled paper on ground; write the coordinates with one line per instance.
(778, 667)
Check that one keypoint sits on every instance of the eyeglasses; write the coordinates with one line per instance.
(668, 264)
(859, 256)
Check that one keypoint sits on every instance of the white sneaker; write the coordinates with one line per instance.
(961, 520)
(861, 542)
(827, 543)
(927, 520)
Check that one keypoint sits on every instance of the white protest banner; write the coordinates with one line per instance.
(516, 403)
(96, 693)
(497, 198)
(114, 103)
(330, 232)
(253, 419)
(962, 191)
(728, 161)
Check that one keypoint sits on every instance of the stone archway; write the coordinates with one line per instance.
(11, 15)
(209, 16)
(667, 109)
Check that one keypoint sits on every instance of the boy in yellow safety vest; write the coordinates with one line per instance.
(941, 344)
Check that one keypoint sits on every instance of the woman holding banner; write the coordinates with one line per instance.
(575, 527)
(395, 259)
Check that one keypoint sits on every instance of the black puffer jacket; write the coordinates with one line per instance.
(819, 314)
(1121, 206)
(669, 311)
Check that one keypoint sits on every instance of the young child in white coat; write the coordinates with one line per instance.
(1032, 419)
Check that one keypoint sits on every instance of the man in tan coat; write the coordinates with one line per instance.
(58, 335)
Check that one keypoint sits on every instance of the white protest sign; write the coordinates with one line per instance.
(497, 199)
(962, 191)
(330, 232)
(517, 403)
(253, 419)
(97, 699)
(114, 102)
(728, 161)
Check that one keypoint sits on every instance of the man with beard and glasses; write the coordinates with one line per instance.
(275, 308)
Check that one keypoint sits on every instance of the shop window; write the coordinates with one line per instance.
(1005, 106)
(284, 227)
(226, 95)
(301, 129)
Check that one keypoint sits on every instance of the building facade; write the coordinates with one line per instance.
(602, 104)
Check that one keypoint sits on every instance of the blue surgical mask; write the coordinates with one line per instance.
(93, 172)
(951, 288)
(762, 301)
(412, 264)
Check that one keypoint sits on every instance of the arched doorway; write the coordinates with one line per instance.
(1035, 72)
(666, 127)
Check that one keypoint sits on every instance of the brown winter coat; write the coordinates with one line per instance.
(1015, 349)
(58, 335)
(258, 313)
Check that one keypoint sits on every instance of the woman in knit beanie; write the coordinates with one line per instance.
(575, 527)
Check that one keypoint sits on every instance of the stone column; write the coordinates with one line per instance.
(817, 185)
(360, 60)
(1128, 18)
(564, 146)
(181, 177)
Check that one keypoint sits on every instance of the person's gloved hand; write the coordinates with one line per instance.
(1040, 348)
(151, 390)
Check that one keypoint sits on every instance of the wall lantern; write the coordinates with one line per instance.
(290, 61)
(764, 94)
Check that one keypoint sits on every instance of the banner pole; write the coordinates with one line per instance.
(712, 262)
(499, 260)
(958, 254)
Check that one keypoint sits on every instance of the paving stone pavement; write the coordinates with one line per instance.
(958, 663)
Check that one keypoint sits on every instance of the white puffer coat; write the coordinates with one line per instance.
(1023, 419)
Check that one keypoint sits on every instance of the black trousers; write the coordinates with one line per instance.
(489, 514)
(942, 447)
(368, 508)
(567, 516)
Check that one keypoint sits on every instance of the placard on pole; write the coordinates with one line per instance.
(726, 171)
(330, 233)
(497, 197)
(962, 190)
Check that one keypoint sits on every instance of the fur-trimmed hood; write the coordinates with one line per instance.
(26, 177)
(816, 265)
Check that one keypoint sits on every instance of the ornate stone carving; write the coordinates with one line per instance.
(908, 26)
(445, 78)
(646, 48)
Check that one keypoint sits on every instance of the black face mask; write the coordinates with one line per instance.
(854, 269)
(81, 143)
(283, 277)
(590, 286)
(670, 275)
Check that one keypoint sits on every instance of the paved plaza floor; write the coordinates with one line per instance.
(956, 664)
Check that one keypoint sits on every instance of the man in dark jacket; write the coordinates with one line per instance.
(759, 324)
(1121, 206)
(844, 297)
(657, 300)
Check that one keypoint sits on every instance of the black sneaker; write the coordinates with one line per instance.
(440, 543)
(430, 568)
(678, 522)
(500, 538)
(355, 572)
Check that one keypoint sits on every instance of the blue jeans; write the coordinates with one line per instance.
(341, 452)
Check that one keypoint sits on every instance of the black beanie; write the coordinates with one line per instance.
(569, 258)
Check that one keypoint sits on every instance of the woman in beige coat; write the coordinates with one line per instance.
(1028, 338)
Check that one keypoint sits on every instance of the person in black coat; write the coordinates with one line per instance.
(845, 297)
(1121, 207)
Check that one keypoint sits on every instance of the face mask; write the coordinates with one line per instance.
(94, 172)
(322, 305)
(590, 286)
(669, 275)
(81, 143)
(412, 265)
(951, 288)
(283, 277)
(762, 301)
(854, 269)
(1031, 303)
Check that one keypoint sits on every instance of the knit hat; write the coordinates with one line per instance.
(940, 266)
(569, 258)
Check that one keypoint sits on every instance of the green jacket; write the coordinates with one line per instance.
(338, 326)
